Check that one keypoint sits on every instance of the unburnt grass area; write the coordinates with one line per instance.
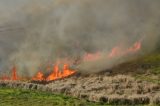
(19, 97)
(117, 90)
(145, 68)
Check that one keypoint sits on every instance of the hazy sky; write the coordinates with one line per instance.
(11, 5)
(35, 31)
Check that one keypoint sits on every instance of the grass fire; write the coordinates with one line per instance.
(79, 52)
(66, 71)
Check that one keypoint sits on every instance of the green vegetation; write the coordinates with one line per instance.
(152, 68)
(18, 97)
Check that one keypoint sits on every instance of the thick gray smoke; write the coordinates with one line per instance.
(35, 32)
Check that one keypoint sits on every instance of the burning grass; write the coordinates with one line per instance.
(56, 73)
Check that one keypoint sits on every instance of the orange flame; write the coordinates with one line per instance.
(14, 73)
(57, 74)
(39, 76)
(116, 51)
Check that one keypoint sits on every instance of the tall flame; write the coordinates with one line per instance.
(14, 73)
(57, 74)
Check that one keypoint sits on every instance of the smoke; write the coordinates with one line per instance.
(39, 32)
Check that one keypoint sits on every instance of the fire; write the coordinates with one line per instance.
(14, 73)
(5, 78)
(39, 76)
(117, 51)
(114, 52)
(135, 48)
(55, 74)
(67, 71)
(58, 73)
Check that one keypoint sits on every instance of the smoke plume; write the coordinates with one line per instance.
(40, 32)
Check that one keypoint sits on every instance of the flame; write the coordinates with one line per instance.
(5, 78)
(135, 48)
(14, 73)
(57, 73)
(117, 51)
(39, 76)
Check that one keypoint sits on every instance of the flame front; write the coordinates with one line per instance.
(57, 73)
(117, 51)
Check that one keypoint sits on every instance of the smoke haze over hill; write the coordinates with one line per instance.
(35, 32)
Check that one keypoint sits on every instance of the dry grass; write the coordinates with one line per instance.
(120, 89)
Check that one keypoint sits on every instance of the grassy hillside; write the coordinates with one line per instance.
(144, 68)
(152, 72)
